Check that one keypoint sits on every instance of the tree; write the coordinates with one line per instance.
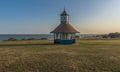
(114, 35)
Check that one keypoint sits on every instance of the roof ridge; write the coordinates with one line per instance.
(65, 28)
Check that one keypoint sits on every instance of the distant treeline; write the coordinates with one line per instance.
(13, 39)
(115, 35)
(110, 35)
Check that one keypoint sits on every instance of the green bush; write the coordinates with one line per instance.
(43, 38)
(12, 39)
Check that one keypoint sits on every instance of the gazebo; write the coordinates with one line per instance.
(64, 33)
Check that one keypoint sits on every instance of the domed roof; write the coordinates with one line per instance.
(64, 28)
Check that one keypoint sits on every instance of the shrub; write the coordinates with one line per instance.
(31, 39)
(12, 39)
(43, 38)
(105, 36)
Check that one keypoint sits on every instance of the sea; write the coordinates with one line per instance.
(29, 36)
(25, 36)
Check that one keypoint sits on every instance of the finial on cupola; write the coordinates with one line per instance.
(64, 12)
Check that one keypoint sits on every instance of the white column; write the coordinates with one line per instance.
(66, 36)
(74, 36)
(61, 36)
(54, 35)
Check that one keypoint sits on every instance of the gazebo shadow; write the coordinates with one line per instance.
(38, 44)
(47, 44)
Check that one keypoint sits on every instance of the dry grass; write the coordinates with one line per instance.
(44, 56)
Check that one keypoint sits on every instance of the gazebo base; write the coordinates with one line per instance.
(64, 41)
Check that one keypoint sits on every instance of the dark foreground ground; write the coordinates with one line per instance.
(43, 56)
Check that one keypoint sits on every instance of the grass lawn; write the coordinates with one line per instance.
(44, 56)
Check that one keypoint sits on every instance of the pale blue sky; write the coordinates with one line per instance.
(42, 16)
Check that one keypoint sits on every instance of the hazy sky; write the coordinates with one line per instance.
(42, 16)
